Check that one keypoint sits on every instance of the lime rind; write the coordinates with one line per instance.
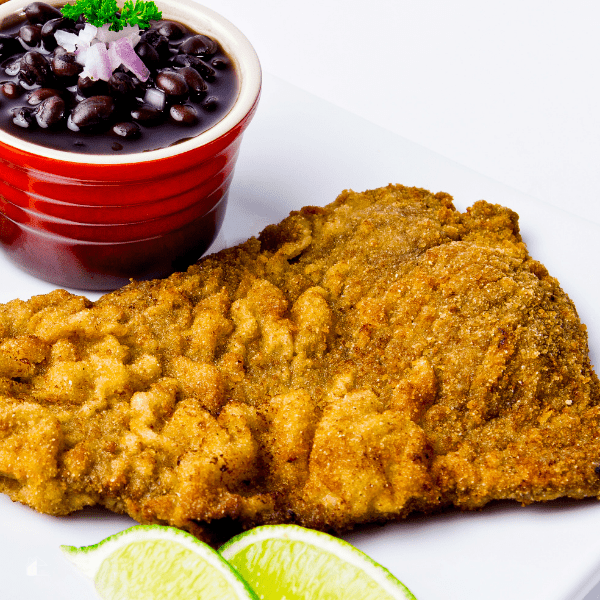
(89, 559)
(324, 542)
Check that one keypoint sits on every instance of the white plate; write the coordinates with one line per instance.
(301, 150)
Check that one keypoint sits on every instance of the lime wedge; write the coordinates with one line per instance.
(151, 562)
(287, 562)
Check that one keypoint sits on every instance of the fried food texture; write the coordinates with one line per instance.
(381, 355)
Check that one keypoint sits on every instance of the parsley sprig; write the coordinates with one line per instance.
(100, 12)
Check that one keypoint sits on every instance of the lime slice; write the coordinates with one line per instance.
(287, 562)
(151, 562)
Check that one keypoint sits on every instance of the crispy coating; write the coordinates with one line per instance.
(357, 362)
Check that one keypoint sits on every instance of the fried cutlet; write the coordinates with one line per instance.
(381, 355)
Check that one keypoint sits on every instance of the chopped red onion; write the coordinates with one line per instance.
(156, 98)
(100, 61)
(129, 59)
(97, 63)
(129, 31)
(81, 55)
(87, 34)
(105, 35)
(67, 40)
(115, 61)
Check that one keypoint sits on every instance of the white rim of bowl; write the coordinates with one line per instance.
(199, 18)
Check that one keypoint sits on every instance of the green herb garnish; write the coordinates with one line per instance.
(101, 12)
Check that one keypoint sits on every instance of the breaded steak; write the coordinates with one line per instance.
(357, 362)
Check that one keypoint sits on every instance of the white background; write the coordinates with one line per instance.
(508, 88)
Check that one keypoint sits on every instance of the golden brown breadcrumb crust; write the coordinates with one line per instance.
(357, 362)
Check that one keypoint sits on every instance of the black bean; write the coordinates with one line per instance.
(210, 104)
(127, 130)
(37, 96)
(147, 114)
(92, 112)
(199, 45)
(23, 117)
(170, 29)
(8, 46)
(220, 63)
(12, 65)
(31, 34)
(185, 60)
(159, 42)
(183, 114)
(189, 60)
(196, 84)
(40, 12)
(116, 146)
(172, 84)
(139, 86)
(35, 69)
(87, 87)
(50, 112)
(148, 54)
(51, 27)
(64, 64)
(206, 72)
(121, 86)
(12, 89)
(58, 51)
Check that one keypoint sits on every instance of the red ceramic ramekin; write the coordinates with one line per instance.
(94, 221)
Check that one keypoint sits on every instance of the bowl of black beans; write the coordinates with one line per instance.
(119, 132)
